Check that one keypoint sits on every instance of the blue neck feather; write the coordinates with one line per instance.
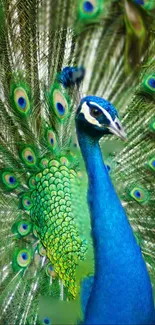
(122, 292)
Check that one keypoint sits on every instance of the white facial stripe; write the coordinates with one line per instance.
(88, 117)
(108, 116)
(91, 119)
(112, 124)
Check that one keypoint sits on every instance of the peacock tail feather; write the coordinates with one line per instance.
(52, 52)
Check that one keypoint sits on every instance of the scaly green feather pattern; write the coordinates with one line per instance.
(52, 212)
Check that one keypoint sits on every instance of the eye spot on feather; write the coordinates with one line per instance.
(60, 108)
(46, 321)
(88, 6)
(24, 258)
(32, 182)
(12, 180)
(21, 100)
(9, 180)
(24, 227)
(151, 163)
(42, 250)
(140, 2)
(26, 202)
(29, 157)
(88, 10)
(50, 271)
(64, 161)
(50, 268)
(51, 139)
(151, 82)
(60, 104)
(139, 194)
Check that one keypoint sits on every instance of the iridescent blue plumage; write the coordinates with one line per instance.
(140, 2)
(12, 179)
(22, 102)
(103, 103)
(121, 292)
(88, 6)
(152, 82)
(71, 76)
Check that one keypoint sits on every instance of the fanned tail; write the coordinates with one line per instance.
(45, 48)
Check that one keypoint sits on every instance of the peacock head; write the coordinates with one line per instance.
(97, 117)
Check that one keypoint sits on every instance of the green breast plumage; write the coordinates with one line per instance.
(51, 209)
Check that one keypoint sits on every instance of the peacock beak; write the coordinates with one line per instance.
(116, 128)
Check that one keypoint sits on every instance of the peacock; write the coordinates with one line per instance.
(67, 70)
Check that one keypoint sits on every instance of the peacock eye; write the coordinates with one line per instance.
(9, 180)
(24, 257)
(46, 321)
(95, 112)
(21, 100)
(24, 227)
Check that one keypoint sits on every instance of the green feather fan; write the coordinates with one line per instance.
(45, 240)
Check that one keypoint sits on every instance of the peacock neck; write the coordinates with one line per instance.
(121, 285)
(105, 208)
